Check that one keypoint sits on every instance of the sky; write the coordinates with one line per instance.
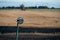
(49, 3)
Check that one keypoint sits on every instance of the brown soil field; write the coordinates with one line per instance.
(32, 18)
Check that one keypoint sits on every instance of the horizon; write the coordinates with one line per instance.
(27, 3)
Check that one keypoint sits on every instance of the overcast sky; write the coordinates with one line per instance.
(49, 3)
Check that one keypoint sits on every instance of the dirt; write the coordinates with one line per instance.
(32, 18)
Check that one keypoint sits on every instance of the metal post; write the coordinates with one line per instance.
(19, 21)
(17, 30)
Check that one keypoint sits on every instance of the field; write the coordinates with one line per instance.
(32, 18)
(42, 18)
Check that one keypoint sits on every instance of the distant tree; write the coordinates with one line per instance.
(52, 8)
(12, 7)
(8, 7)
(42, 7)
(22, 7)
(3, 7)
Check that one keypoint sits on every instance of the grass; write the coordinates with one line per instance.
(32, 17)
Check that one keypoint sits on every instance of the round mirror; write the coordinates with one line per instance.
(19, 20)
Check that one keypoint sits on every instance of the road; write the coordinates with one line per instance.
(9, 33)
(30, 36)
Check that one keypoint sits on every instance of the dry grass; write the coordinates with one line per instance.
(32, 18)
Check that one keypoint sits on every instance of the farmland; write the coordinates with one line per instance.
(45, 23)
(32, 17)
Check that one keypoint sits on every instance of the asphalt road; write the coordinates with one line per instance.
(9, 33)
(30, 36)
(10, 29)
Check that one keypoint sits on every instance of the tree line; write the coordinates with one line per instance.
(22, 7)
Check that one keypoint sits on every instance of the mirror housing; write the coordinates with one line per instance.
(20, 20)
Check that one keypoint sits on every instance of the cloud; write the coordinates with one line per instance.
(54, 3)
